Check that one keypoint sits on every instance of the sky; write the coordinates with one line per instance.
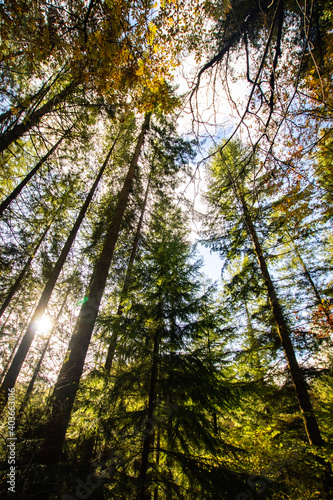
(215, 119)
(212, 263)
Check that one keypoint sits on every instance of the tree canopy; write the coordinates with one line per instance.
(132, 134)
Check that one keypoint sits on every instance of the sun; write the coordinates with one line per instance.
(45, 324)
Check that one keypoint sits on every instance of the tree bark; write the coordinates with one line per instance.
(252, 339)
(18, 130)
(312, 283)
(38, 96)
(113, 340)
(25, 181)
(310, 421)
(20, 277)
(148, 443)
(28, 337)
(69, 377)
(41, 358)
(10, 358)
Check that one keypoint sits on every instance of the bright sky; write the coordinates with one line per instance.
(215, 119)
(212, 263)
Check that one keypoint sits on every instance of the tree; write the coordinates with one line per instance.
(69, 376)
(185, 384)
(168, 154)
(228, 173)
(25, 181)
(14, 369)
(166, 390)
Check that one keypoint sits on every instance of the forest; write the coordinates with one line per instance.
(137, 137)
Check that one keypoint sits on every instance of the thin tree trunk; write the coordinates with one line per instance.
(311, 282)
(148, 443)
(25, 181)
(8, 114)
(41, 358)
(310, 421)
(113, 340)
(214, 415)
(20, 277)
(19, 130)
(309, 418)
(158, 445)
(28, 337)
(252, 338)
(71, 371)
(18, 340)
(10, 358)
(37, 96)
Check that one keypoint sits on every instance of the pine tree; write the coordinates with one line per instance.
(69, 376)
(229, 176)
(20, 355)
(166, 390)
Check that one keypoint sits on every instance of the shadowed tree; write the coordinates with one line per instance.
(22, 351)
(71, 370)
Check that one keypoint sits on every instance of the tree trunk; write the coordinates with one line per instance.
(158, 445)
(10, 358)
(25, 181)
(148, 443)
(38, 96)
(19, 130)
(253, 342)
(28, 337)
(214, 415)
(71, 371)
(41, 358)
(310, 422)
(312, 283)
(113, 340)
(20, 277)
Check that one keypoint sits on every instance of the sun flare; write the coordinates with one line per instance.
(45, 324)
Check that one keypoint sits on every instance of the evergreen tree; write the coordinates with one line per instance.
(69, 377)
(166, 391)
(229, 177)
(14, 369)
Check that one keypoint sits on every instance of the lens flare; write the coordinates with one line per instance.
(45, 324)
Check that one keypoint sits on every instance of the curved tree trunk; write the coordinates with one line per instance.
(28, 337)
(71, 370)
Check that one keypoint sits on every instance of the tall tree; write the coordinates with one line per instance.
(22, 274)
(70, 373)
(166, 388)
(113, 338)
(14, 369)
(32, 172)
(228, 173)
(20, 129)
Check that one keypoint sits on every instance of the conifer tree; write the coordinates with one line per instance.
(166, 388)
(229, 176)
(25, 181)
(71, 371)
(20, 355)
